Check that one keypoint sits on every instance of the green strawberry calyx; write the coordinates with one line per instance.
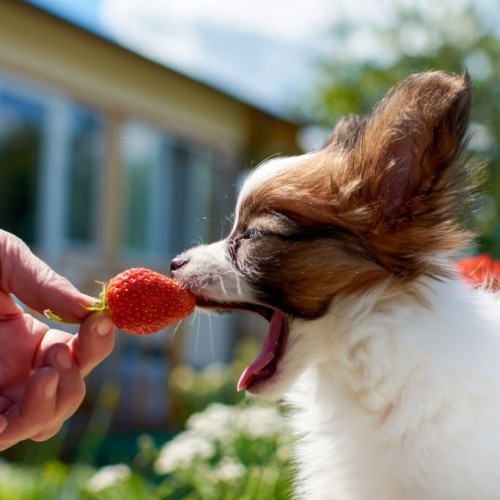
(100, 305)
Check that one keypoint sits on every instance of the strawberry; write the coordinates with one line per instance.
(141, 301)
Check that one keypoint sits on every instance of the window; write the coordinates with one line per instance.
(51, 154)
(84, 162)
(141, 153)
(21, 139)
(169, 192)
(177, 194)
(191, 208)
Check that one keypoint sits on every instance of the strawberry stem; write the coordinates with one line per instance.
(101, 304)
(54, 317)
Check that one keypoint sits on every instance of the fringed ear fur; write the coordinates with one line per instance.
(413, 136)
(406, 163)
(346, 132)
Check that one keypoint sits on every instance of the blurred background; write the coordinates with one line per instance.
(126, 127)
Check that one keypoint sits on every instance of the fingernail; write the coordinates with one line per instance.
(51, 388)
(104, 326)
(63, 359)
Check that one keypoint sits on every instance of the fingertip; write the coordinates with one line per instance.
(58, 356)
(50, 388)
(101, 324)
(63, 359)
(105, 326)
(46, 434)
(94, 342)
(49, 378)
(77, 306)
(39, 396)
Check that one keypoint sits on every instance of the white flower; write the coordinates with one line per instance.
(228, 470)
(182, 451)
(219, 421)
(216, 422)
(6, 472)
(108, 476)
(261, 422)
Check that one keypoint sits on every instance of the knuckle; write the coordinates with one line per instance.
(46, 434)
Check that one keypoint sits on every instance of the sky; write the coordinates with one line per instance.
(263, 52)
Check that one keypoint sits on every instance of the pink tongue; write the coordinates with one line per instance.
(266, 355)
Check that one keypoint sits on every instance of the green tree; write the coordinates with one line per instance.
(416, 39)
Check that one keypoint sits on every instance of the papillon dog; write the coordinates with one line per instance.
(389, 360)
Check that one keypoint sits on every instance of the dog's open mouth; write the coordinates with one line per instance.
(265, 365)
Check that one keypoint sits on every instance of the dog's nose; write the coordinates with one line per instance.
(178, 262)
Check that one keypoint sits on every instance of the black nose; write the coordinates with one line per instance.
(178, 262)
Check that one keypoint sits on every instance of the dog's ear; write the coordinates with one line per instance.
(412, 138)
(346, 132)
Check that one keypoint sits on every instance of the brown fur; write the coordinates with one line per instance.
(383, 197)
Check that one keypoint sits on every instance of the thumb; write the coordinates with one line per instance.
(35, 284)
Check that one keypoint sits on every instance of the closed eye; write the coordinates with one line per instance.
(252, 234)
(315, 233)
(235, 243)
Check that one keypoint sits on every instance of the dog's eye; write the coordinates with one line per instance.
(251, 234)
(235, 243)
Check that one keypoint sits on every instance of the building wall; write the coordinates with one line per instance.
(89, 67)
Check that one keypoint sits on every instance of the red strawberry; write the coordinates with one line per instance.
(141, 301)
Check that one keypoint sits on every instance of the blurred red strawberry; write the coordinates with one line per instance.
(480, 270)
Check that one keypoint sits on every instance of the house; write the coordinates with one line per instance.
(110, 160)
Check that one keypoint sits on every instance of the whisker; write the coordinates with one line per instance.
(173, 333)
(222, 285)
(210, 332)
(239, 290)
(197, 339)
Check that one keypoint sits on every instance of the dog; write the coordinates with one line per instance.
(389, 360)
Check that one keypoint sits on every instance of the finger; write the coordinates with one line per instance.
(3, 423)
(8, 308)
(71, 388)
(47, 433)
(47, 403)
(29, 416)
(70, 392)
(94, 342)
(38, 403)
(5, 403)
(51, 337)
(36, 284)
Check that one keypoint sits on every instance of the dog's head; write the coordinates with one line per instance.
(374, 207)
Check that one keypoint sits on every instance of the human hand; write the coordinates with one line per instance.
(42, 369)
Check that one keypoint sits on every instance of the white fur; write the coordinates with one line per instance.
(392, 399)
(407, 406)
(211, 274)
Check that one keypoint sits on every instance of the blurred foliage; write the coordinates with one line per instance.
(448, 36)
(230, 447)
(59, 481)
(225, 452)
(194, 390)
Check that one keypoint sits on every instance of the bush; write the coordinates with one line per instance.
(228, 452)
(225, 452)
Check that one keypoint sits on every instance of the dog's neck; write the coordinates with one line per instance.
(393, 366)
